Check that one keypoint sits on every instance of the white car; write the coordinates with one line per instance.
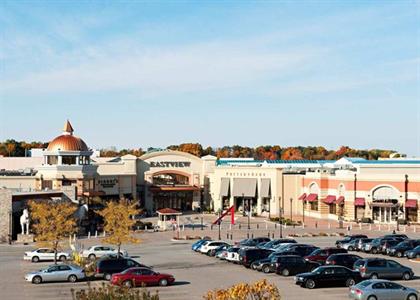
(207, 247)
(232, 255)
(99, 250)
(44, 254)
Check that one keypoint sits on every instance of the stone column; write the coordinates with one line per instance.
(5, 214)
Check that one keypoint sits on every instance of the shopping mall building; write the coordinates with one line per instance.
(351, 188)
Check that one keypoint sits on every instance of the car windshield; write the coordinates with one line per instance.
(417, 248)
(316, 252)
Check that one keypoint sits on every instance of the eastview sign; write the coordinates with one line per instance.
(170, 164)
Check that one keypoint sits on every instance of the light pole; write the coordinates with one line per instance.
(218, 223)
(291, 210)
(249, 212)
(280, 216)
(303, 211)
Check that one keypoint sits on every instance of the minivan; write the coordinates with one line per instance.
(106, 267)
(375, 268)
(248, 255)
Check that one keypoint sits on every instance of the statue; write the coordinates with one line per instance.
(24, 221)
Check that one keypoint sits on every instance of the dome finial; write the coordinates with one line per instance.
(68, 128)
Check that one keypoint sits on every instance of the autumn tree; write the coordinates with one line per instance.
(261, 290)
(52, 221)
(119, 221)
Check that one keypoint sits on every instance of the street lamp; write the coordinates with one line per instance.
(280, 216)
(218, 223)
(291, 210)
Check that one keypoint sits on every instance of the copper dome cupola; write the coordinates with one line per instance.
(67, 141)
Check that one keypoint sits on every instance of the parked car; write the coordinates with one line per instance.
(299, 249)
(376, 245)
(387, 245)
(382, 289)
(349, 238)
(253, 242)
(248, 255)
(211, 245)
(362, 242)
(232, 254)
(264, 264)
(396, 236)
(345, 260)
(99, 250)
(106, 267)
(275, 243)
(219, 249)
(328, 276)
(375, 268)
(321, 255)
(292, 264)
(198, 244)
(414, 253)
(133, 277)
(61, 272)
(351, 245)
(400, 249)
(45, 254)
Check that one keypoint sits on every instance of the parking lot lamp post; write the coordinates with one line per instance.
(280, 216)
(291, 210)
(249, 213)
(303, 210)
(219, 223)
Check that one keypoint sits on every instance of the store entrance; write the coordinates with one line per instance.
(179, 200)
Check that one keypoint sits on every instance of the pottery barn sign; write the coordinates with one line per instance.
(170, 164)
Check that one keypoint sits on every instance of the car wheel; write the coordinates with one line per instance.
(107, 276)
(62, 258)
(266, 269)
(72, 278)
(372, 298)
(128, 283)
(37, 280)
(399, 254)
(310, 284)
(406, 276)
(350, 282)
(92, 256)
(209, 252)
(374, 276)
(285, 272)
(163, 282)
(350, 248)
(35, 259)
(412, 297)
(374, 251)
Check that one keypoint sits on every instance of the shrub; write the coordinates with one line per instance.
(323, 234)
(108, 292)
(366, 220)
(260, 290)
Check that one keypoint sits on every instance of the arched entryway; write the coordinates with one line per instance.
(385, 206)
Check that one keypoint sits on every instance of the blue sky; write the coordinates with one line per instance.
(140, 74)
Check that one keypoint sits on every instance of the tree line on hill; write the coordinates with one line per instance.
(14, 148)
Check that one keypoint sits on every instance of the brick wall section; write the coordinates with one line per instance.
(5, 208)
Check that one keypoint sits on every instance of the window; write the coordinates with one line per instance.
(68, 160)
(47, 184)
(378, 286)
(314, 205)
(53, 269)
(377, 263)
(339, 271)
(328, 271)
(64, 268)
(393, 286)
(52, 159)
(147, 272)
(393, 264)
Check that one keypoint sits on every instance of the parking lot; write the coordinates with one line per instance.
(195, 273)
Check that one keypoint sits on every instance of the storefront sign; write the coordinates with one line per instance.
(170, 164)
(108, 183)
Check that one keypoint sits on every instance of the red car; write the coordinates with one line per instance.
(321, 255)
(140, 277)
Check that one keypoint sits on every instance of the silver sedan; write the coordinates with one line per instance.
(377, 289)
(61, 272)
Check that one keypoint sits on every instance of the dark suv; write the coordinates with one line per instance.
(345, 260)
(321, 255)
(108, 266)
(299, 249)
(248, 255)
(292, 264)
